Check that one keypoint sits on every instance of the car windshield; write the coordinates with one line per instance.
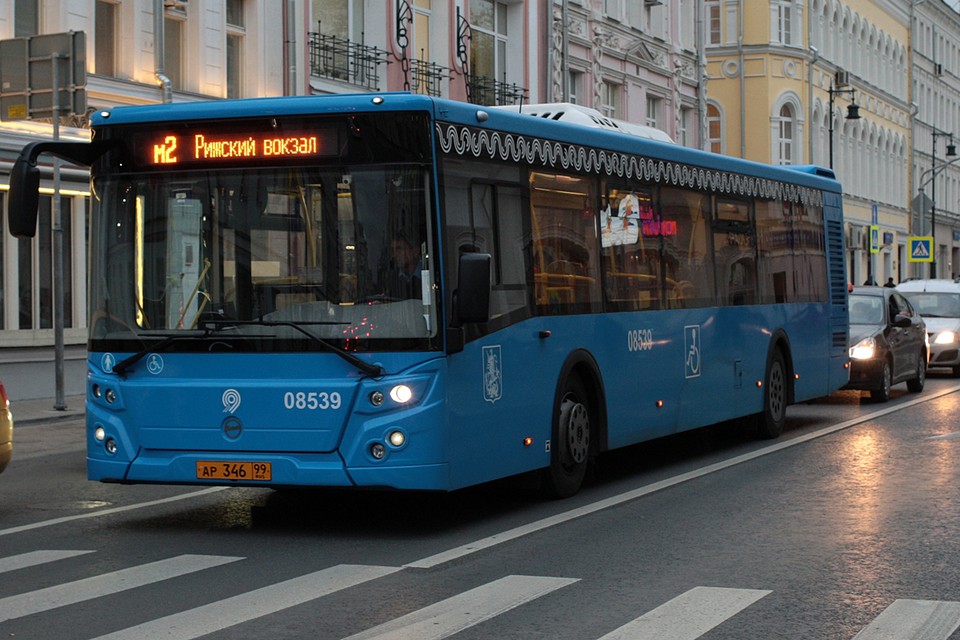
(343, 251)
(866, 309)
(934, 305)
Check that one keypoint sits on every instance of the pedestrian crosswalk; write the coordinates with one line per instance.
(688, 616)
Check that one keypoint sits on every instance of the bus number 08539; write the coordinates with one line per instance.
(311, 400)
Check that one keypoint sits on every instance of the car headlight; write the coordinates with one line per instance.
(946, 337)
(864, 350)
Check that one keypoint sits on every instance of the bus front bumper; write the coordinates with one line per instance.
(287, 470)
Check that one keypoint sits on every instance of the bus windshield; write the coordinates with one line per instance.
(247, 256)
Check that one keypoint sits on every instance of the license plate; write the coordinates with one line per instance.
(232, 470)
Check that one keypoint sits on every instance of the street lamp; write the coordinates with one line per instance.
(853, 112)
(951, 152)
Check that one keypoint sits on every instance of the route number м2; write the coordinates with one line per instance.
(311, 400)
(640, 339)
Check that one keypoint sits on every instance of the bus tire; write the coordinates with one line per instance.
(573, 424)
(769, 423)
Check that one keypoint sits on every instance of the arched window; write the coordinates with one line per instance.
(786, 129)
(714, 129)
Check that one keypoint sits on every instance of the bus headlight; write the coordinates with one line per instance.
(401, 394)
(397, 438)
(99, 434)
(864, 350)
(946, 337)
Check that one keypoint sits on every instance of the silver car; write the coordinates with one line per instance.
(938, 301)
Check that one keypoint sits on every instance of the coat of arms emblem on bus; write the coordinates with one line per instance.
(492, 374)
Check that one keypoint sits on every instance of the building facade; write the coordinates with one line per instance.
(783, 75)
(935, 74)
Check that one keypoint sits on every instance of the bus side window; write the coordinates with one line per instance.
(565, 246)
(687, 248)
(735, 248)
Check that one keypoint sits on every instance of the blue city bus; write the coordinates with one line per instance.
(399, 291)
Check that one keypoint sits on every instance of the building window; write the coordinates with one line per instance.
(786, 128)
(686, 117)
(784, 17)
(105, 46)
(613, 8)
(610, 97)
(488, 40)
(574, 86)
(713, 21)
(653, 111)
(26, 18)
(714, 129)
(173, 51)
(340, 18)
(235, 37)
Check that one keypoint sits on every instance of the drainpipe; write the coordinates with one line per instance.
(701, 78)
(158, 51)
(811, 129)
(743, 87)
(290, 50)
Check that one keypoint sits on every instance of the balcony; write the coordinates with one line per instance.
(341, 59)
(426, 77)
(486, 91)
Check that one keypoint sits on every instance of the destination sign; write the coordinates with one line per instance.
(203, 147)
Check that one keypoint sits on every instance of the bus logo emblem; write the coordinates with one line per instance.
(231, 400)
(492, 374)
(691, 344)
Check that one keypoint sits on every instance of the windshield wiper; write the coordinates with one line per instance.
(121, 367)
(373, 370)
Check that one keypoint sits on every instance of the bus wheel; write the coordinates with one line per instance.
(570, 453)
(769, 422)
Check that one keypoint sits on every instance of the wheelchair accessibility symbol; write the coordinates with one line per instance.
(691, 343)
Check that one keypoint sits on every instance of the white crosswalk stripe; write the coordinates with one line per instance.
(688, 616)
(34, 558)
(467, 609)
(914, 620)
(253, 604)
(62, 595)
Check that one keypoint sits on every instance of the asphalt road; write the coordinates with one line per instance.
(849, 524)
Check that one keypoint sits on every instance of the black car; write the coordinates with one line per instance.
(888, 342)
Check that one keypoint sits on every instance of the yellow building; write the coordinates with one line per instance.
(776, 67)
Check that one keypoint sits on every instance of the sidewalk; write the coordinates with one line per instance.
(41, 410)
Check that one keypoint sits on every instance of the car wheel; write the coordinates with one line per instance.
(570, 453)
(882, 393)
(916, 384)
(769, 423)
(956, 372)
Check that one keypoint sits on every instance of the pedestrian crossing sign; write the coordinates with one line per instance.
(920, 249)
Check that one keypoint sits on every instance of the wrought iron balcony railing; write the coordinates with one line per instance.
(425, 77)
(343, 59)
(486, 91)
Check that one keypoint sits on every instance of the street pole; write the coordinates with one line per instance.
(58, 293)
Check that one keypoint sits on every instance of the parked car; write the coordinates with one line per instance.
(938, 302)
(888, 342)
(6, 429)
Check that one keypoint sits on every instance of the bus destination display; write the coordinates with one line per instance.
(211, 147)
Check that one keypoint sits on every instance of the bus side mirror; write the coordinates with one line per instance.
(24, 198)
(471, 300)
